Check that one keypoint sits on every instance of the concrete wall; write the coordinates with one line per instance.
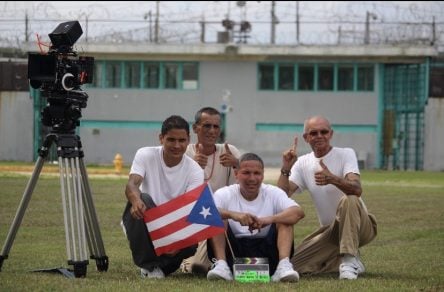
(16, 126)
(434, 135)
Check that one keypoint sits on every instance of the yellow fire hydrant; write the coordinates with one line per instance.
(118, 163)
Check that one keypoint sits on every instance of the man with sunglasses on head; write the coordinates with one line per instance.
(217, 161)
(331, 175)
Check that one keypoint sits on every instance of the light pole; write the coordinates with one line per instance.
(367, 26)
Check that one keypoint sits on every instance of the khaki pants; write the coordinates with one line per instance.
(321, 251)
(199, 262)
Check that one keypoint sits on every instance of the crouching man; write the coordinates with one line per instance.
(259, 219)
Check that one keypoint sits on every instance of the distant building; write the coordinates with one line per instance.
(377, 98)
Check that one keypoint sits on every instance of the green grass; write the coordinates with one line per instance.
(407, 255)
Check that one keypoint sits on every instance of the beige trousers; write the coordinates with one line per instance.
(321, 251)
(199, 262)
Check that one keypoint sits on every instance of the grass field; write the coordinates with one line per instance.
(407, 255)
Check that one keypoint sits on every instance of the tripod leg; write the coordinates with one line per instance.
(94, 237)
(72, 200)
(21, 210)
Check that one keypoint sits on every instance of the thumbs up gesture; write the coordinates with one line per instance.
(199, 157)
(323, 176)
(227, 158)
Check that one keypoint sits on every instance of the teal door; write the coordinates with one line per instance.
(404, 100)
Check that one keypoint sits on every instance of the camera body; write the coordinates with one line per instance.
(59, 75)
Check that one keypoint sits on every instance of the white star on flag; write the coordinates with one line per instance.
(205, 212)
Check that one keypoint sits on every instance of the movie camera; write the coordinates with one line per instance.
(59, 75)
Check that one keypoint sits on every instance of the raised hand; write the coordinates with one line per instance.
(227, 158)
(199, 157)
(290, 156)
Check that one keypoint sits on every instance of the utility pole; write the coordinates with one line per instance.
(150, 19)
(433, 31)
(273, 22)
(86, 33)
(26, 27)
(297, 22)
(367, 26)
(156, 24)
(202, 31)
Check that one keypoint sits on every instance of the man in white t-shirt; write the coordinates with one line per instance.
(157, 175)
(259, 219)
(332, 177)
(217, 161)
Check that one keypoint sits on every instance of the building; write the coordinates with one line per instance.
(377, 98)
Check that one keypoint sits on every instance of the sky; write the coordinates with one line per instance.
(320, 22)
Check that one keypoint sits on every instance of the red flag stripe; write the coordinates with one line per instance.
(160, 222)
(199, 236)
(169, 228)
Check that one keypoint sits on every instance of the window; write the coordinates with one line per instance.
(132, 75)
(325, 80)
(286, 77)
(313, 76)
(170, 75)
(365, 77)
(345, 77)
(98, 74)
(113, 74)
(151, 75)
(266, 76)
(189, 76)
(306, 77)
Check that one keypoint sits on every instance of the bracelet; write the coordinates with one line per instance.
(285, 172)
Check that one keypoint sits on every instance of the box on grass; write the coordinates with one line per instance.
(248, 270)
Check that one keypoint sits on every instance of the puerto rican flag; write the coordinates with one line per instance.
(184, 221)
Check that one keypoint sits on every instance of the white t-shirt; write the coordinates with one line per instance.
(270, 201)
(161, 182)
(216, 174)
(340, 162)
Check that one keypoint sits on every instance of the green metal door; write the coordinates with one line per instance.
(404, 99)
(40, 131)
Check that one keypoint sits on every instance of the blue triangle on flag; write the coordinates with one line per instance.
(205, 211)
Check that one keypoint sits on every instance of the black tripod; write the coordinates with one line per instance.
(80, 219)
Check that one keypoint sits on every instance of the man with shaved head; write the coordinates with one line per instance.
(331, 176)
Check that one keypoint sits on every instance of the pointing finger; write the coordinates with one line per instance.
(295, 145)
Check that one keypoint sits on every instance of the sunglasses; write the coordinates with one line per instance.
(316, 133)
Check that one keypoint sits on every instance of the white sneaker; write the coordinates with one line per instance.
(220, 271)
(156, 273)
(361, 267)
(285, 272)
(351, 267)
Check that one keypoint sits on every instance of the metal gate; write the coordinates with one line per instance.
(404, 99)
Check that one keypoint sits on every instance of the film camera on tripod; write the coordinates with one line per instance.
(58, 75)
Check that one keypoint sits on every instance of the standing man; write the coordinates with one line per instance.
(259, 219)
(331, 175)
(217, 161)
(157, 175)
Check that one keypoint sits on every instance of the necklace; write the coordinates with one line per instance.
(212, 168)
